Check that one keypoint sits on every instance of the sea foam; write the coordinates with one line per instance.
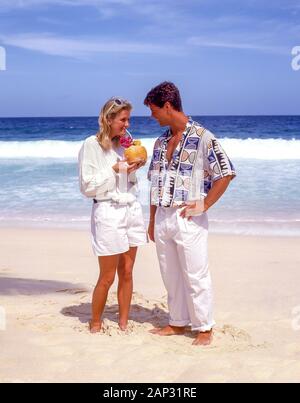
(252, 148)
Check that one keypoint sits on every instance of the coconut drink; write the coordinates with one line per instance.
(134, 151)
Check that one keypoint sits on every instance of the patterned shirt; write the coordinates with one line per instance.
(197, 162)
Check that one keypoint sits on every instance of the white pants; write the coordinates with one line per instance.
(182, 250)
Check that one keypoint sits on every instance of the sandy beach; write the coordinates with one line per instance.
(46, 280)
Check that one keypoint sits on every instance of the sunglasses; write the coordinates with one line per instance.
(118, 102)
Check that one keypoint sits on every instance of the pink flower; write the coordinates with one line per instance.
(126, 142)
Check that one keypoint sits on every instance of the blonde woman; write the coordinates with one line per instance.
(117, 223)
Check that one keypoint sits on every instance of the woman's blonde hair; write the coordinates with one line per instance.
(109, 111)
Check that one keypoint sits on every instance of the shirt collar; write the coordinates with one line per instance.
(188, 125)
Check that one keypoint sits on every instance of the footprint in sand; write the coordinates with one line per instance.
(73, 291)
(5, 270)
(146, 314)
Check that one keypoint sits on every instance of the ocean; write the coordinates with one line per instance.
(39, 172)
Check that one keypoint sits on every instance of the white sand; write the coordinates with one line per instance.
(46, 279)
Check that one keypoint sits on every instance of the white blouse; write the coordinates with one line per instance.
(97, 178)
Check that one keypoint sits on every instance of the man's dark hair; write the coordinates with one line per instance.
(162, 93)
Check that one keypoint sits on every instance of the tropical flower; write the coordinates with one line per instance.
(126, 141)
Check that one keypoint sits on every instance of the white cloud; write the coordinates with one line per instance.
(10, 4)
(105, 8)
(236, 44)
(165, 21)
(82, 48)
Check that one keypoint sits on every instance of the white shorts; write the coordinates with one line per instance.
(116, 227)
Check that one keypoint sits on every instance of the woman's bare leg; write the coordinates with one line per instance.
(108, 266)
(125, 286)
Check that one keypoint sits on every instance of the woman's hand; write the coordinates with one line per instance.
(124, 167)
(141, 164)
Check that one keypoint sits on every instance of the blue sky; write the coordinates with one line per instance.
(66, 57)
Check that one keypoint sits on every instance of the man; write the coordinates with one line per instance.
(189, 172)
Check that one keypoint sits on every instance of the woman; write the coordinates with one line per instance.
(117, 223)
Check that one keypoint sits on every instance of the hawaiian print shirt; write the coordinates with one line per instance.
(198, 161)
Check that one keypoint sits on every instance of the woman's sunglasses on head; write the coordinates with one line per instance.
(118, 102)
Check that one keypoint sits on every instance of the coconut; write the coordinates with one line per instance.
(136, 153)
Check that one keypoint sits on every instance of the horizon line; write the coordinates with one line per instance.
(147, 116)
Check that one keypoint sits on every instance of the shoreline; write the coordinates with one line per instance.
(86, 229)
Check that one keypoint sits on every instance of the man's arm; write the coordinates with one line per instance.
(152, 213)
(217, 190)
(152, 222)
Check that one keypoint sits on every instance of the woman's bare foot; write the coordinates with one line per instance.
(168, 331)
(95, 327)
(123, 326)
(203, 338)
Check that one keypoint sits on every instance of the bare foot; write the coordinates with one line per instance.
(95, 327)
(123, 326)
(168, 331)
(203, 338)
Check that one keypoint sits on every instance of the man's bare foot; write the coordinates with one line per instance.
(203, 338)
(95, 327)
(168, 331)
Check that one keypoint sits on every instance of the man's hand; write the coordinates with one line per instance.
(151, 230)
(192, 209)
(201, 206)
